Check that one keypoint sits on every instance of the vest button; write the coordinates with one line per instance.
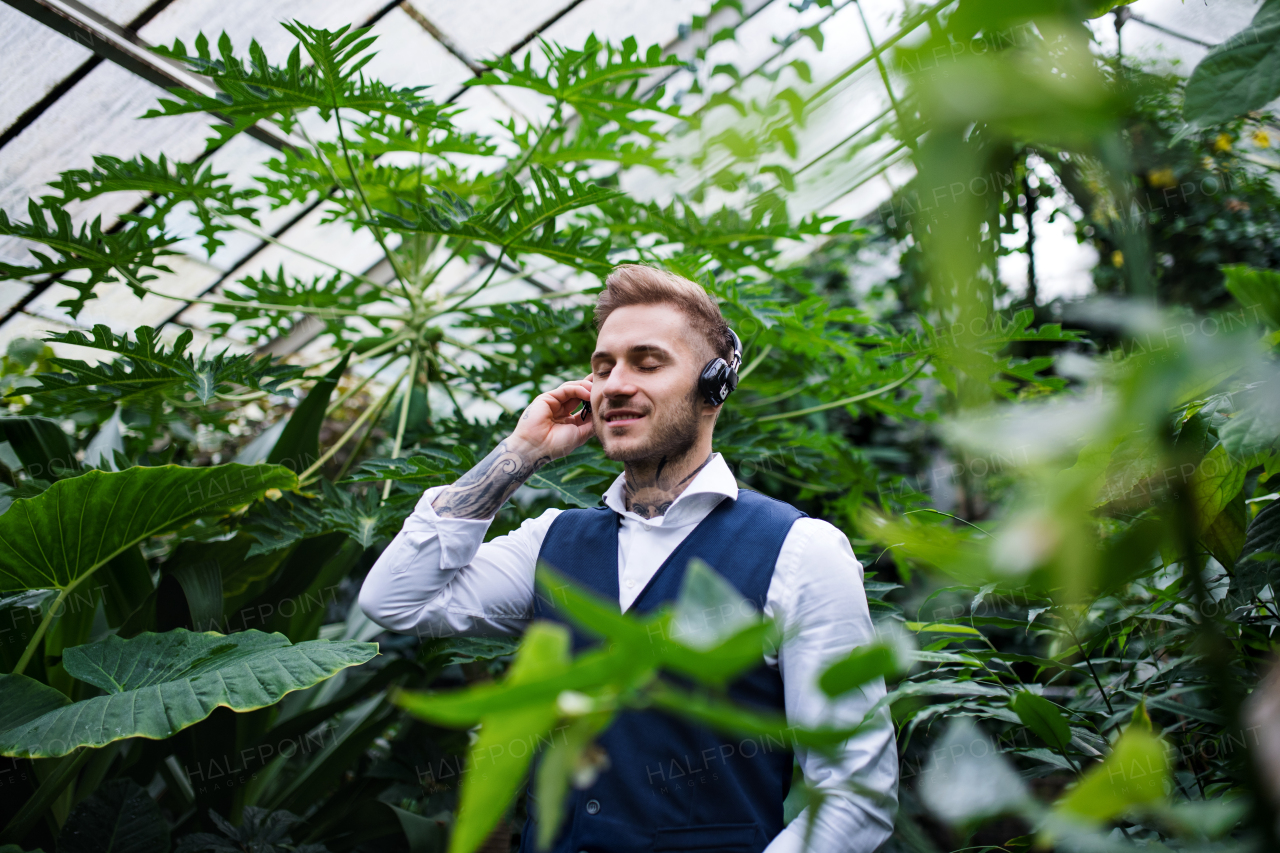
(593, 806)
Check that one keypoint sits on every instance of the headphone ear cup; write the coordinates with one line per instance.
(713, 383)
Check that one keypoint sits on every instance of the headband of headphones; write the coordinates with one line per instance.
(719, 378)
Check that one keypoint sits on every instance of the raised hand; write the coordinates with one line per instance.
(547, 430)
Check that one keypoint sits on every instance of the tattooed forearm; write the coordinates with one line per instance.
(485, 488)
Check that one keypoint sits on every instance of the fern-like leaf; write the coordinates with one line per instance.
(144, 366)
(102, 255)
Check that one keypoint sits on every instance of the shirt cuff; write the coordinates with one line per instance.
(460, 538)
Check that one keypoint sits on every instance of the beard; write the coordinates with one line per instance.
(672, 434)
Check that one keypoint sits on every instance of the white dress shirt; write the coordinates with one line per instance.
(437, 579)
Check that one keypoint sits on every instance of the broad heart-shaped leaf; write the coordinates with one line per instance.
(25, 699)
(159, 684)
(508, 739)
(61, 536)
(1042, 717)
(1240, 75)
(120, 817)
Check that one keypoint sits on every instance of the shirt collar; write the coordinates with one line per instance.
(714, 482)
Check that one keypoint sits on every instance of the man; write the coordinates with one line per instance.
(655, 391)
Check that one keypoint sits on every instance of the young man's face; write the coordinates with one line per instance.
(644, 393)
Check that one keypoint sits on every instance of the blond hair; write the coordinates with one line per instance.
(637, 284)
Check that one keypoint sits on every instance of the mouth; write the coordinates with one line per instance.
(622, 417)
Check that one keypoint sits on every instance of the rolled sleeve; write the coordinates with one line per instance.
(439, 578)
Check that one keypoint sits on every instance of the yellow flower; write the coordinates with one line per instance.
(1162, 178)
(1222, 143)
(1261, 138)
(1117, 258)
(273, 494)
(1208, 162)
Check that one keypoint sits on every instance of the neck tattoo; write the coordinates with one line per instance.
(651, 486)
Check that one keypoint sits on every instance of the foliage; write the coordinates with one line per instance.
(1098, 596)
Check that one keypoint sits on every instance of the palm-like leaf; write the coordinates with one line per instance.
(143, 366)
(129, 252)
(168, 183)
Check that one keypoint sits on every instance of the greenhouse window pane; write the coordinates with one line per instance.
(243, 20)
(486, 28)
(33, 60)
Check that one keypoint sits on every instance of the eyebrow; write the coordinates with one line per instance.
(638, 349)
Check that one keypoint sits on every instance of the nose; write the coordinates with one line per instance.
(619, 383)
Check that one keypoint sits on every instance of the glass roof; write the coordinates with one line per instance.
(63, 104)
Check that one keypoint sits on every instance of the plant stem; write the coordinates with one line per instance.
(847, 400)
(40, 629)
(404, 415)
(348, 394)
(401, 275)
(755, 362)
(497, 263)
(265, 237)
(346, 436)
(44, 796)
(266, 306)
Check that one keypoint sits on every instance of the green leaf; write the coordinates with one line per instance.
(26, 699)
(58, 538)
(508, 739)
(1240, 75)
(143, 366)
(120, 817)
(1259, 561)
(1257, 290)
(41, 446)
(254, 90)
(420, 470)
(159, 684)
(167, 185)
(511, 219)
(1042, 717)
(299, 445)
(601, 82)
(1215, 481)
(103, 256)
(1135, 773)
(864, 664)
(1225, 537)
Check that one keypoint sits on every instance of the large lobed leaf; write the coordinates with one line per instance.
(57, 538)
(143, 366)
(159, 684)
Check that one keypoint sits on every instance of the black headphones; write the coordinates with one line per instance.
(717, 381)
(719, 378)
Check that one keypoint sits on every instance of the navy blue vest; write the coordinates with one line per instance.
(675, 785)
